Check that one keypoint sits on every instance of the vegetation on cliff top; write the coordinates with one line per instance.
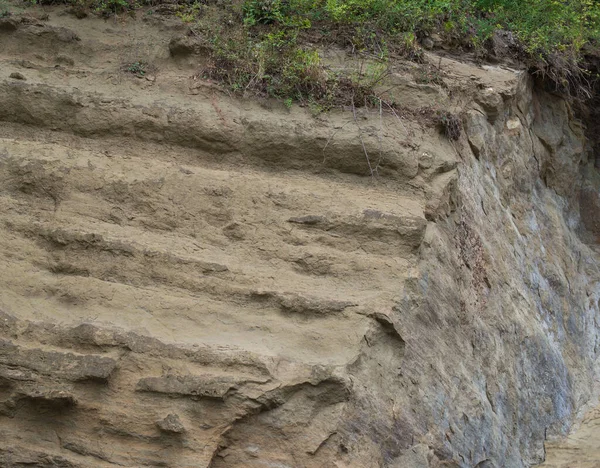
(271, 46)
(541, 26)
(274, 48)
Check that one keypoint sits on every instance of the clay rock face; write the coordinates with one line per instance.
(92, 396)
(190, 280)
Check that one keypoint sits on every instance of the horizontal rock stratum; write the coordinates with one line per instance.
(189, 279)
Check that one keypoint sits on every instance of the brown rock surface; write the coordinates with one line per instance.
(189, 280)
(581, 449)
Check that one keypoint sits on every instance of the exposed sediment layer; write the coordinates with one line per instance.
(191, 280)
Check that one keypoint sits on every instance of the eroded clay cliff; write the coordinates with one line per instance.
(193, 280)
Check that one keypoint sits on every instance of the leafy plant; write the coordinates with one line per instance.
(274, 65)
(113, 7)
(263, 12)
(189, 13)
(137, 68)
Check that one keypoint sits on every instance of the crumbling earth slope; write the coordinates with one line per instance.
(194, 280)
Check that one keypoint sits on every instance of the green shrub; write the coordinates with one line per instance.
(274, 64)
(542, 26)
(108, 7)
(263, 12)
(136, 68)
(189, 13)
(547, 25)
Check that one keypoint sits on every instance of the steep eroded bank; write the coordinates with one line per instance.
(192, 280)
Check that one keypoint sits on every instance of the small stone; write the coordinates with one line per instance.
(437, 40)
(428, 43)
(252, 450)
(171, 424)
(17, 76)
(426, 161)
(513, 123)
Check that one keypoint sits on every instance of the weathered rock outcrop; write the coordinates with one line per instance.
(190, 280)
